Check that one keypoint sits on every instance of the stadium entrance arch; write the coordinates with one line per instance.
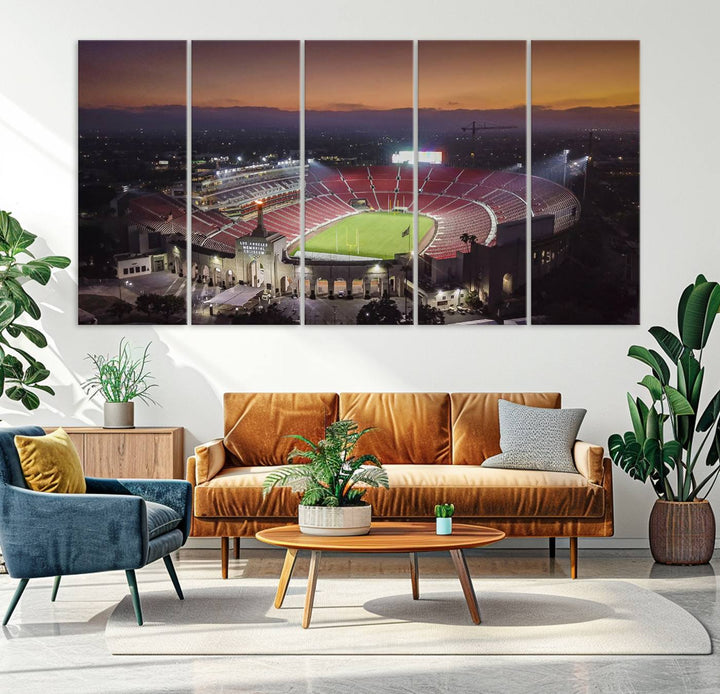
(339, 285)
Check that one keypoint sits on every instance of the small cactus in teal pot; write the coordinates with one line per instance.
(443, 518)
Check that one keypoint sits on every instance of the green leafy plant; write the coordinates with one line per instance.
(331, 476)
(122, 377)
(21, 372)
(646, 453)
(444, 510)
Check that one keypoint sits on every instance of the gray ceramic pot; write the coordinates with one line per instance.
(119, 415)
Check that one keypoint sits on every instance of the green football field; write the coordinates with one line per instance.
(369, 234)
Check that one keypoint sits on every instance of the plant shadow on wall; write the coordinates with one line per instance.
(683, 464)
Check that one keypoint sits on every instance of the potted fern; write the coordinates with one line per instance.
(331, 499)
(121, 379)
(682, 463)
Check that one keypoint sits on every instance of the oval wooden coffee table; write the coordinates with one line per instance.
(383, 538)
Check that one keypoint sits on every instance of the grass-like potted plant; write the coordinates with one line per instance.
(682, 524)
(121, 379)
(332, 500)
(443, 518)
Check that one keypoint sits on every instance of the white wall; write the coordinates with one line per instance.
(195, 365)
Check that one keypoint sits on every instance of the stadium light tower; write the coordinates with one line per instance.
(565, 166)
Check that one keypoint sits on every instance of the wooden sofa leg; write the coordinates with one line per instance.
(551, 547)
(224, 552)
(236, 553)
(573, 557)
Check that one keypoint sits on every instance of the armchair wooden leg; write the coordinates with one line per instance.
(224, 552)
(173, 576)
(551, 547)
(573, 557)
(236, 552)
(132, 582)
(56, 585)
(15, 599)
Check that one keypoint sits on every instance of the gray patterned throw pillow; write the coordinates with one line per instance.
(536, 438)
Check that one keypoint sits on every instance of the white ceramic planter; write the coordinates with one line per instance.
(335, 520)
(119, 415)
(443, 526)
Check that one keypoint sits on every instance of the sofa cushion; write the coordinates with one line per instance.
(411, 427)
(476, 422)
(161, 519)
(256, 424)
(477, 492)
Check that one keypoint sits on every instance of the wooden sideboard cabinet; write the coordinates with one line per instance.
(143, 452)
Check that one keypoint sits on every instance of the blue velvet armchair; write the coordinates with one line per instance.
(117, 524)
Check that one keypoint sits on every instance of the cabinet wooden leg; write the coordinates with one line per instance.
(414, 575)
(312, 582)
(224, 558)
(466, 582)
(551, 547)
(236, 554)
(287, 569)
(573, 557)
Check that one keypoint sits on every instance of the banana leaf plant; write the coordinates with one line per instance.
(332, 473)
(674, 442)
(21, 373)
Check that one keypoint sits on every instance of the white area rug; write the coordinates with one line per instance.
(377, 616)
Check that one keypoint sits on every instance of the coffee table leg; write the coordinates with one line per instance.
(287, 569)
(465, 581)
(414, 575)
(312, 582)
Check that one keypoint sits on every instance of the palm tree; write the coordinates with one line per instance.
(469, 239)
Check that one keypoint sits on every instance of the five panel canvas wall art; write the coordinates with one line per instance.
(263, 194)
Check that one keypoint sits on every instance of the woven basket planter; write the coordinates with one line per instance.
(682, 532)
(335, 520)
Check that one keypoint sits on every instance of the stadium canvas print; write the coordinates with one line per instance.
(132, 154)
(359, 232)
(472, 198)
(246, 181)
(360, 218)
(586, 134)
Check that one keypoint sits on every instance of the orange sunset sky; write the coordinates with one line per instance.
(352, 75)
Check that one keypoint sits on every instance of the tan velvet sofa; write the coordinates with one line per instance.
(433, 446)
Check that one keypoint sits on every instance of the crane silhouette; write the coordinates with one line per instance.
(476, 126)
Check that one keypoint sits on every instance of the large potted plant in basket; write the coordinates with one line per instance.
(332, 500)
(675, 443)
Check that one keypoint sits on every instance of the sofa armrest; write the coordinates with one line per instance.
(209, 460)
(177, 494)
(588, 460)
(44, 534)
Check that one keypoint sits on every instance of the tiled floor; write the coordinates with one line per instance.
(60, 647)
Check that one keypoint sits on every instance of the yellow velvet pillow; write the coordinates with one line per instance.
(51, 463)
